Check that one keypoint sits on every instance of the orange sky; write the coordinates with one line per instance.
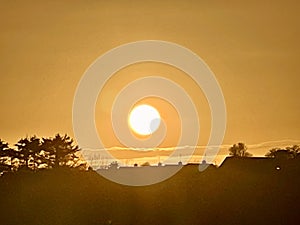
(252, 47)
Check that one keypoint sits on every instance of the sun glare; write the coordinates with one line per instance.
(144, 119)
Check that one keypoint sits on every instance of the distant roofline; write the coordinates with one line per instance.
(251, 158)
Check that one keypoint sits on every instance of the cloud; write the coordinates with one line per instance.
(153, 155)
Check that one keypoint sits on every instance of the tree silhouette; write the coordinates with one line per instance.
(60, 151)
(12, 157)
(288, 152)
(34, 153)
(272, 153)
(4, 157)
(23, 151)
(3, 148)
(294, 150)
(28, 152)
(239, 150)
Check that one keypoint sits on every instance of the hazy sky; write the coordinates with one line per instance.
(252, 47)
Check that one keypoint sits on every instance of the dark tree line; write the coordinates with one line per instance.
(240, 150)
(34, 153)
(289, 152)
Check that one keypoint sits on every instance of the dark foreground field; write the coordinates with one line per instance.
(217, 196)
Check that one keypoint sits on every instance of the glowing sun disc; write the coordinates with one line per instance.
(144, 119)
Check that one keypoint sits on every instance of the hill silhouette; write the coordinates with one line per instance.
(231, 194)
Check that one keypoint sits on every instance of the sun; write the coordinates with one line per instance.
(144, 119)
